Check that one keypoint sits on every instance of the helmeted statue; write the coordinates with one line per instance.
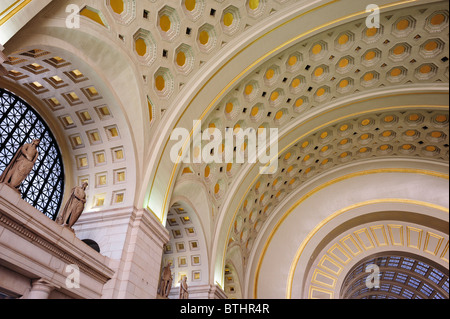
(166, 281)
(74, 206)
(184, 294)
(21, 165)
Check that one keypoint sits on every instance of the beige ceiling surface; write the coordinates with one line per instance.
(114, 88)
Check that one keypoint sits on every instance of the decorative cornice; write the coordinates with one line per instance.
(107, 215)
(60, 253)
(14, 218)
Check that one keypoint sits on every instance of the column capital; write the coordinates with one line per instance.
(43, 282)
(41, 289)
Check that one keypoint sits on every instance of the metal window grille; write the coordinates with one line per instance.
(19, 124)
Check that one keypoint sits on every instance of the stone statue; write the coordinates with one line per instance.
(184, 294)
(74, 206)
(169, 286)
(21, 165)
(166, 281)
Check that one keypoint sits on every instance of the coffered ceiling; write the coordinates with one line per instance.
(339, 92)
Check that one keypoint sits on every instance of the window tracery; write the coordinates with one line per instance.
(19, 124)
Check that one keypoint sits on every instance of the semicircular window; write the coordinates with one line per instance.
(20, 124)
(398, 277)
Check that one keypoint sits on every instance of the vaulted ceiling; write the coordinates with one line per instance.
(340, 93)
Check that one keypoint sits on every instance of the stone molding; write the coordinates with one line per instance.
(25, 221)
(132, 215)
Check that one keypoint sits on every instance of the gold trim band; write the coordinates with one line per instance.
(310, 132)
(234, 80)
(13, 12)
(240, 75)
(323, 186)
(316, 129)
(340, 212)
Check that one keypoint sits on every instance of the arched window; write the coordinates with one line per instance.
(19, 124)
(399, 277)
(91, 243)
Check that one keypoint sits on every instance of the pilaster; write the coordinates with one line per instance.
(139, 271)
